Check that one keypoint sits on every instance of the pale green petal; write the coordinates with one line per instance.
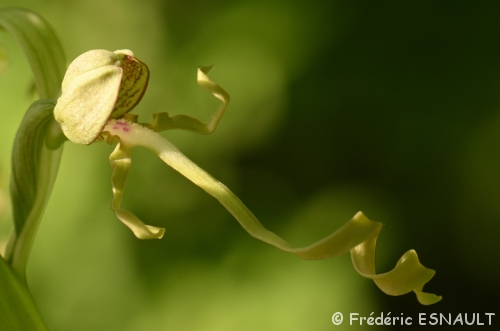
(162, 121)
(427, 298)
(408, 275)
(89, 61)
(120, 163)
(86, 103)
(358, 235)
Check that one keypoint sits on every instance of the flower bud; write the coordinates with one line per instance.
(97, 86)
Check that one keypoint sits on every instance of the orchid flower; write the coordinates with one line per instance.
(99, 90)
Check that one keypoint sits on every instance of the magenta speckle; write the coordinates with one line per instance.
(123, 125)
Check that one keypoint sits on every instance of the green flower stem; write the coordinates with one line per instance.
(358, 235)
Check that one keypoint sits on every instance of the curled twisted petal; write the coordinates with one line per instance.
(120, 163)
(162, 121)
(408, 268)
(358, 235)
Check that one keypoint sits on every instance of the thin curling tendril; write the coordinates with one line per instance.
(357, 236)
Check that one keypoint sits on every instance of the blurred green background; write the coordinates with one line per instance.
(388, 107)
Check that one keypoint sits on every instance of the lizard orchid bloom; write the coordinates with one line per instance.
(98, 91)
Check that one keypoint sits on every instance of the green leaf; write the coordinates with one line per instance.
(29, 142)
(2, 60)
(18, 312)
(40, 44)
(34, 169)
(37, 147)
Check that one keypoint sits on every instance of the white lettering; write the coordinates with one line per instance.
(458, 319)
(489, 317)
(370, 319)
(352, 318)
(380, 320)
(434, 318)
(479, 323)
(443, 318)
(421, 319)
(473, 319)
(387, 320)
